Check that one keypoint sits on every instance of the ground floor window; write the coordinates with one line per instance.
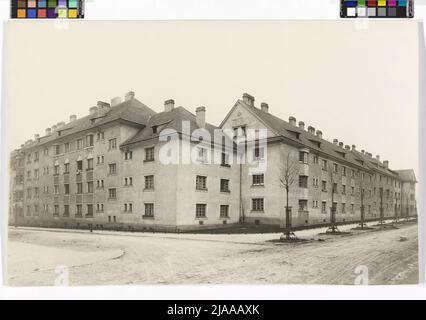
(257, 205)
(79, 210)
(90, 210)
(324, 207)
(200, 210)
(224, 211)
(303, 205)
(149, 210)
(66, 210)
(56, 210)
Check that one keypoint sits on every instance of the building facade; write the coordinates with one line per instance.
(125, 166)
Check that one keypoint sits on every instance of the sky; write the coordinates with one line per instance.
(356, 82)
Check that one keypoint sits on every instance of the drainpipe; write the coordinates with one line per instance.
(240, 196)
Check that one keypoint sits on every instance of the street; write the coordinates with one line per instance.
(119, 258)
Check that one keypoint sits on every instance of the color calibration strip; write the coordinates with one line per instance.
(377, 9)
(47, 9)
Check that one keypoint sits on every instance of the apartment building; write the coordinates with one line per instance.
(125, 166)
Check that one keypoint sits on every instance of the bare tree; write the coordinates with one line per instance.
(362, 223)
(288, 175)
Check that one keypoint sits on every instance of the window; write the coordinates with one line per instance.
(112, 193)
(343, 189)
(324, 207)
(224, 159)
(80, 144)
(315, 159)
(57, 149)
(128, 155)
(89, 140)
(67, 147)
(89, 164)
(315, 182)
(303, 182)
(239, 132)
(224, 185)
(200, 210)
(202, 154)
(90, 187)
(28, 192)
(352, 191)
(343, 208)
(257, 205)
(335, 167)
(128, 207)
(324, 165)
(80, 165)
(66, 188)
(79, 210)
(352, 208)
(56, 210)
(344, 171)
(90, 210)
(100, 184)
(324, 186)
(28, 174)
(303, 205)
(112, 144)
(66, 210)
(112, 168)
(66, 168)
(353, 173)
(36, 174)
(201, 183)
(259, 153)
(315, 204)
(258, 179)
(224, 211)
(36, 192)
(100, 159)
(46, 151)
(303, 157)
(36, 156)
(149, 182)
(149, 154)
(100, 207)
(101, 135)
(56, 170)
(79, 188)
(128, 181)
(28, 210)
(149, 210)
(56, 189)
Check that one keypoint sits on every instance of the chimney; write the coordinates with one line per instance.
(363, 151)
(103, 107)
(292, 121)
(348, 147)
(311, 130)
(248, 99)
(48, 131)
(93, 110)
(73, 118)
(265, 107)
(301, 125)
(378, 157)
(353, 147)
(60, 124)
(54, 127)
(368, 154)
(36, 136)
(319, 134)
(386, 163)
(201, 117)
(169, 105)
(115, 101)
(335, 142)
(129, 96)
(341, 144)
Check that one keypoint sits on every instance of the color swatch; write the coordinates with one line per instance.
(377, 9)
(47, 9)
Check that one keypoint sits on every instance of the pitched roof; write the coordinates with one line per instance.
(132, 111)
(407, 175)
(299, 136)
(173, 119)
